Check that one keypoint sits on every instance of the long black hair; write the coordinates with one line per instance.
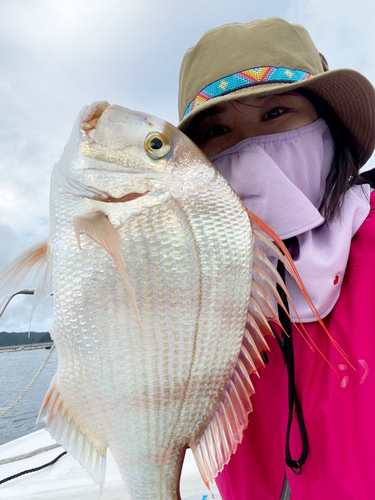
(345, 165)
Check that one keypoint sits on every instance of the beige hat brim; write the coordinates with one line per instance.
(349, 94)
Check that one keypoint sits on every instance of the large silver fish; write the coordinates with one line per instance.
(161, 291)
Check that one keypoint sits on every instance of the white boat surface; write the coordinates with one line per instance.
(67, 479)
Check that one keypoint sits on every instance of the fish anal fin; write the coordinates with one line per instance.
(98, 227)
(61, 425)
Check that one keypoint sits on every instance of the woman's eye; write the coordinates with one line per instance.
(273, 113)
(215, 131)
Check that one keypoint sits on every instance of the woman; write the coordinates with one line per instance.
(290, 135)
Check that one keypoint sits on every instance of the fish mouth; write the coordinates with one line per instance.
(93, 115)
(123, 199)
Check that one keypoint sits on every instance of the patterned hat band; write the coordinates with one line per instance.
(247, 78)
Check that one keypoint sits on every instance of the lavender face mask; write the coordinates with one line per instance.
(281, 178)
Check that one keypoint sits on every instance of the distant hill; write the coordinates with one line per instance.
(22, 338)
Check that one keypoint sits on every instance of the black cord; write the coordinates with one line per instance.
(2, 481)
(286, 344)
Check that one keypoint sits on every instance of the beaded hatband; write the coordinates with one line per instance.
(242, 79)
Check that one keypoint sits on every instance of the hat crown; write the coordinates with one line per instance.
(236, 47)
(271, 56)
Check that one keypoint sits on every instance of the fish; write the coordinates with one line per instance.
(163, 293)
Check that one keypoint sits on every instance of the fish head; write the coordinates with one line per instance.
(116, 154)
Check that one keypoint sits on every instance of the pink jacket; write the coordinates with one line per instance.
(339, 412)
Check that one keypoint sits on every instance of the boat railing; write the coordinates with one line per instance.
(3, 306)
(8, 298)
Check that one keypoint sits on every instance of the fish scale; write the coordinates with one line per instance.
(171, 366)
(149, 259)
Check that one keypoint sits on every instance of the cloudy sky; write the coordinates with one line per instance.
(58, 55)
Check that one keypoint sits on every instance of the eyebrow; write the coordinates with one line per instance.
(220, 108)
(270, 96)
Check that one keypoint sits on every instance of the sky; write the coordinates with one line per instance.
(58, 55)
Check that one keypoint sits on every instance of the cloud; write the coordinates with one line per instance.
(27, 165)
(57, 56)
(10, 244)
(342, 29)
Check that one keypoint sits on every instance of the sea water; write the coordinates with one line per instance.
(17, 369)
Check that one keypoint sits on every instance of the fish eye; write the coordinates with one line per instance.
(156, 143)
(156, 146)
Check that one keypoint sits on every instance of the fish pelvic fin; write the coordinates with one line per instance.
(29, 272)
(62, 427)
(98, 227)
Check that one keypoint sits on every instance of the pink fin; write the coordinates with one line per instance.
(263, 279)
(269, 248)
(225, 431)
(212, 450)
(30, 271)
(61, 425)
(99, 228)
(257, 314)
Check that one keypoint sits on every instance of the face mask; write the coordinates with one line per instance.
(281, 178)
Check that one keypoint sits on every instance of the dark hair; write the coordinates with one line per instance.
(343, 173)
(344, 169)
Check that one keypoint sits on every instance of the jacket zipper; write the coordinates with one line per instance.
(285, 492)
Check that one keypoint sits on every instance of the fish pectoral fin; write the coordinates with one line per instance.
(98, 227)
(77, 441)
(30, 271)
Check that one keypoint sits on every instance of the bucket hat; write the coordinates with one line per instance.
(272, 56)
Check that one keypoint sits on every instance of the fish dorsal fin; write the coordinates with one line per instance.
(99, 228)
(266, 248)
(62, 427)
(224, 432)
(212, 449)
(30, 271)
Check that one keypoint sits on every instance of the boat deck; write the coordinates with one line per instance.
(66, 479)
